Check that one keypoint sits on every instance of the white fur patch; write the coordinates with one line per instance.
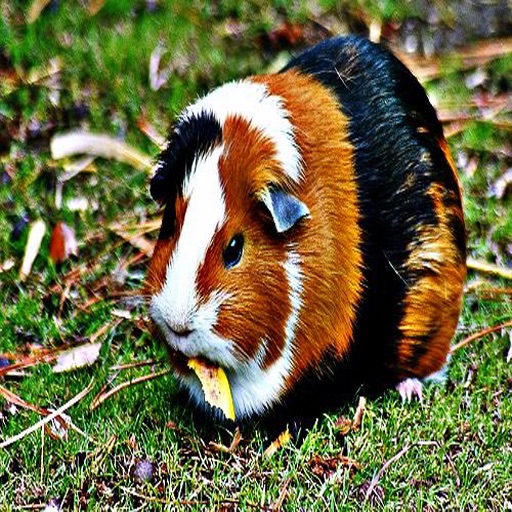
(201, 341)
(175, 307)
(251, 101)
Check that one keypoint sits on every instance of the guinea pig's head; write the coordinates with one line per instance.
(224, 281)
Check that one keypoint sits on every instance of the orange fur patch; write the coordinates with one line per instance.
(432, 305)
(328, 243)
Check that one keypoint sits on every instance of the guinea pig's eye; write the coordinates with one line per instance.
(233, 251)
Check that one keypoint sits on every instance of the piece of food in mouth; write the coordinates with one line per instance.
(215, 384)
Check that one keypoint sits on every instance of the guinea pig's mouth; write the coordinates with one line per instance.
(180, 362)
(208, 346)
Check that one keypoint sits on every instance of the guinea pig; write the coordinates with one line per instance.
(313, 238)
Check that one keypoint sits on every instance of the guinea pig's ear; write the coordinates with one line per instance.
(286, 210)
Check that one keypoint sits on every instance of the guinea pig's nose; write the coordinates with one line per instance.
(180, 331)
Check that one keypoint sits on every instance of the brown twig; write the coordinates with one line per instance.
(237, 437)
(17, 400)
(480, 334)
(106, 328)
(99, 399)
(283, 493)
(33, 506)
(46, 356)
(11, 397)
(484, 289)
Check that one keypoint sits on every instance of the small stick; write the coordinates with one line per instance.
(107, 327)
(358, 416)
(481, 334)
(404, 450)
(98, 400)
(137, 364)
(481, 289)
(41, 469)
(46, 357)
(11, 397)
(489, 268)
(48, 418)
(283, 493)
(237, 437)
(17, 400)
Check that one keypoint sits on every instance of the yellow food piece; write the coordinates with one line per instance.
(215, 384)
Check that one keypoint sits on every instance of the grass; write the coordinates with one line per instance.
(454, 451)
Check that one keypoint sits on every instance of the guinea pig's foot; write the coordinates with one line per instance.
(410, 389)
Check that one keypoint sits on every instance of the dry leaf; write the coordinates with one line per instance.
(282, 440)
(157, 78)
(326, 467)
(82, 355)
(343, 425)
(84, 143)
(36, 8)
(58, 428)
(7, 265)
(95, 6)
(35, 237)
(62, 243)
(215, 384)
(502, 185)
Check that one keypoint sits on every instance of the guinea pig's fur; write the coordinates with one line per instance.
(312, 238)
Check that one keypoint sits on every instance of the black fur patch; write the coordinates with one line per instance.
(396, 135)
(190, 138)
